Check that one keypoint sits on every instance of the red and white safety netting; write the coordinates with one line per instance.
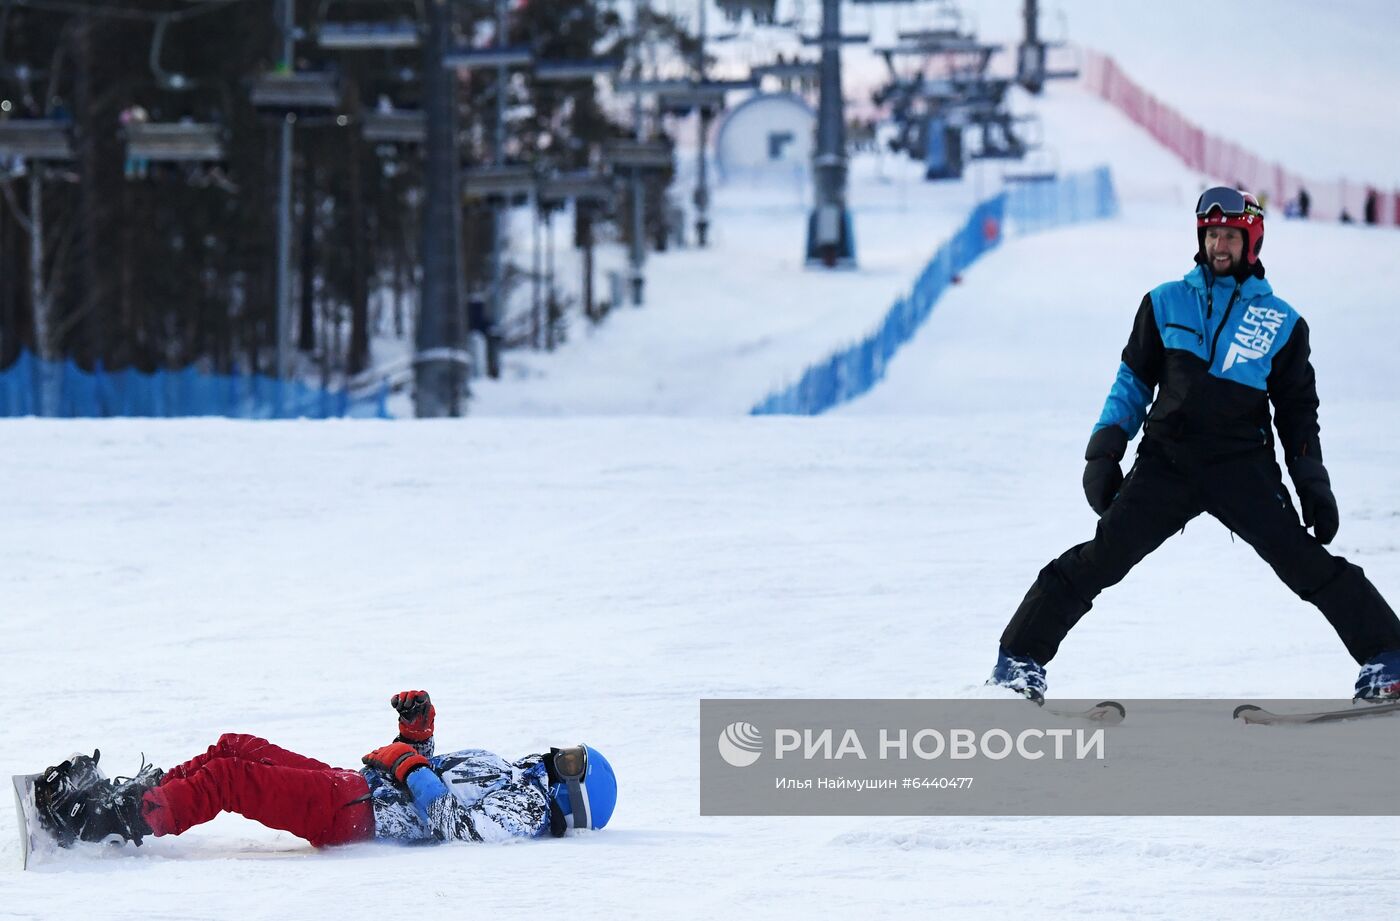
(1227, 161)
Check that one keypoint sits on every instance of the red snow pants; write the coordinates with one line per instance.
(254, 778)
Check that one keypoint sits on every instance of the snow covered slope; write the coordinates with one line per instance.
(591, 580)
(1306, 83)
(722, 325)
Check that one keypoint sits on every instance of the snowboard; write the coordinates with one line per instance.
(32, 836)
(1108, 712)
(1249, 713)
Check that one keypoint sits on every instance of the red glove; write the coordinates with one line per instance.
(397, 759)
(416, 714)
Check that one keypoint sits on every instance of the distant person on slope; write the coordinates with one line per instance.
(404, 794)
(1216, 347)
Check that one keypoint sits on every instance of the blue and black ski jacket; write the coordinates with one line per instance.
(1217, 352)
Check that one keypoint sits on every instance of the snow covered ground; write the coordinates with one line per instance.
(182, 591)
(592, 577)
(723, 325)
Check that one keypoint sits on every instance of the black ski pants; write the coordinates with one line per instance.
(1158, 497)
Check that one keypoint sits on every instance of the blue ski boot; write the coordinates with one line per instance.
(1380, 677)
(1021, 674)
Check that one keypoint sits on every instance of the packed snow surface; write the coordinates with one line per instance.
(592, 577)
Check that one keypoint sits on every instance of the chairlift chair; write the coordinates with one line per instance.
(680, 96)
(763, 12)
(297, 93)
(847, 38)
(175, 142)
(396, 126)
(643, 155)
(480, 58)
(583, 185)
(707, 94)
(652, 86)
(36, 139)
(361, 36)
(357, 34)
(945, 24)
(185, 141)
(931, 35)
(788, 70)
(945, 19)
(566, 71)
(509, 183)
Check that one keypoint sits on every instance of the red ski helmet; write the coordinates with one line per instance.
(1223, 206)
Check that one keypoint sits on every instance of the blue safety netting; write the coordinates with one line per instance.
(1042, 204)
(35, 387)
(1029, 207)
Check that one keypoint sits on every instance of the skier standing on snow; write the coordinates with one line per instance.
(1217, 347)
(405, 793)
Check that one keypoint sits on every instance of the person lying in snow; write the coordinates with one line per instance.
(405, 793)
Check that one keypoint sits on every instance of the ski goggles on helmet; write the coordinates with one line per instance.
(571, 763)
(569, 766)
(1229, 202)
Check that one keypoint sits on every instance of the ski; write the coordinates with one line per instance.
(1107, 712)
(27, 817)
(1249, 713)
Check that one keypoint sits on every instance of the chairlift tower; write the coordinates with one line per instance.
(498, 216)
(637, 253)
(284, 201)
(440, 361)
(830, 236)
(703, 114)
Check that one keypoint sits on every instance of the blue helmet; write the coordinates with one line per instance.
(581, 771)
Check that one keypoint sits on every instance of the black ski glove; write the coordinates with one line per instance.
(1314, 490)
(1102, 475)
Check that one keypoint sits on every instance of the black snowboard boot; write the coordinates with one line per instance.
(102, 810)
(60, 795)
